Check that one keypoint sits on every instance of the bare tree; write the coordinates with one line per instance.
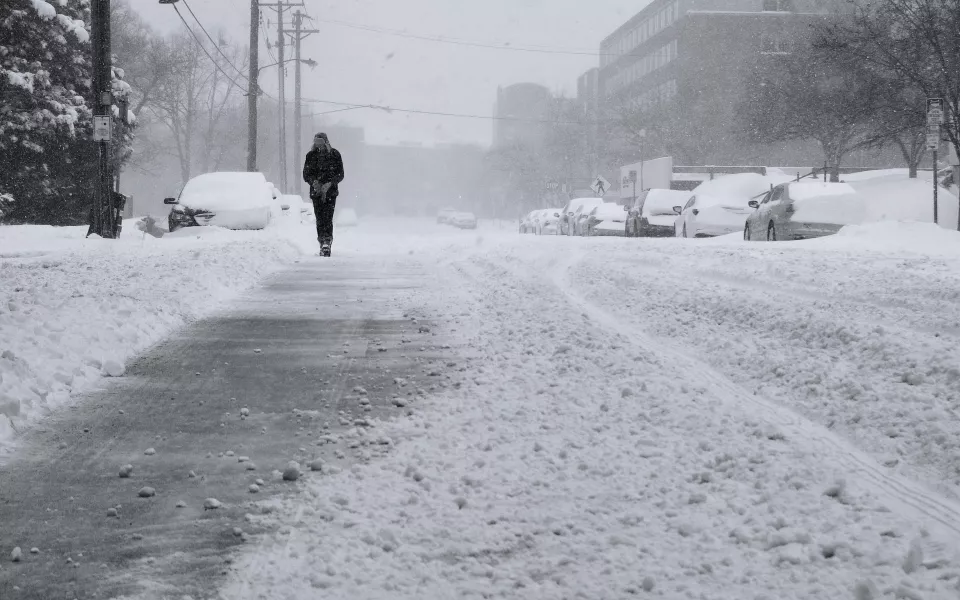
(807, 95)
(915, 43)
(199, 105)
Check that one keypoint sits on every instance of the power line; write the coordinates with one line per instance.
(390, 109)
(215, 44)
(457, 42)
(452, 41)
(199, 43)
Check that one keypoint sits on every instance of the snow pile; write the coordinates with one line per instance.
(578, 459)
(898, 198)
(74, 309)
(834, 203)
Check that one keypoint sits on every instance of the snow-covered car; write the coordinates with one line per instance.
(653, 214)
(547, 221)
(606, 219)
(346, 217)
(709, 216)
(569, 211)
(526, 222)
(293, 204)
(579, 219)
(721, 206)
(803, 210)
(443, 216)
(464, 220)
(229, 200)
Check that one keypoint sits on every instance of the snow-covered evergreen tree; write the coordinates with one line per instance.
(47, 156)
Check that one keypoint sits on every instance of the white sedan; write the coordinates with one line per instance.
(709, 216)
(229, 200)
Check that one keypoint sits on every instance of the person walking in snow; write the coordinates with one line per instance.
(323, 170)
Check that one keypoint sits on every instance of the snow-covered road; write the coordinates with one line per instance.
(672, 418)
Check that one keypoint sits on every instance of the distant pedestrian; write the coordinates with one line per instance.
(323, 170)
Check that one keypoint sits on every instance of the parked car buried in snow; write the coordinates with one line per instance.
(229, 200)
(803, 210)
(606, 219)
(547, 221)
(570, 213)
(709, 216)
(653, 214)
(582, 213)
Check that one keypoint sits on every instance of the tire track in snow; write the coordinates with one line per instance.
(900, 495)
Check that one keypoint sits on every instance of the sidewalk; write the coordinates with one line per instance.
(300, 353)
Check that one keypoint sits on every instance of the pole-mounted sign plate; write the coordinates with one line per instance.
(102, 129)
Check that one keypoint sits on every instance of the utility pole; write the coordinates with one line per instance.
(299, 34)
(281, 45)
(280, 7)
(253, 90)
(104, 217)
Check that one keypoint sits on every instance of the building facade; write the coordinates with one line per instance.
(693, 56)
(519, 112)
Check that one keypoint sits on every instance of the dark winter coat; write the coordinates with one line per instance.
(323, 167)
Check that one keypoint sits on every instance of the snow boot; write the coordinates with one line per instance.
(325, 250)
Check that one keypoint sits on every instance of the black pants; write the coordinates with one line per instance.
(323, 209)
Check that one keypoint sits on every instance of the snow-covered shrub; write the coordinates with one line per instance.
(48, 158)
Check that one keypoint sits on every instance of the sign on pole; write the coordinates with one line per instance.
(934, 112)
(600, 185)
(933, 139)
(102, 129)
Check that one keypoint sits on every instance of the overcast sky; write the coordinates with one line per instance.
(364, 67)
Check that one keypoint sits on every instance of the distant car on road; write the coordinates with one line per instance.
(230, 200)
(652, 213)
(606, 219)
(802, 210)
(464, 220)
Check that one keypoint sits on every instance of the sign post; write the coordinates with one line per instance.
(934, 120)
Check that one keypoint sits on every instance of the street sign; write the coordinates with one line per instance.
(933, 140)
(600, 185)
(934, 111)
(102, 129)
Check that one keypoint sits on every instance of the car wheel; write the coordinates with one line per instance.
(772, 232)
(746, 232)
(684, 230)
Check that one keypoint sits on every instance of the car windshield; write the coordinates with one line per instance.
(480, 299)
